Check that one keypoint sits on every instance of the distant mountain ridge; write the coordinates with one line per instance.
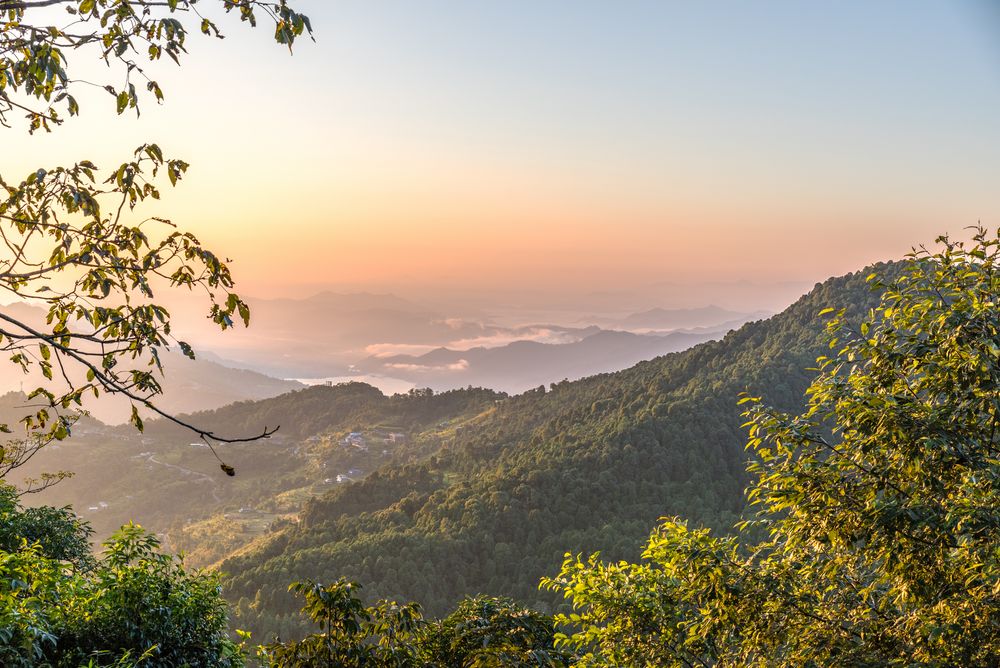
(682, 318)
(587, 466)
(523, 365)
(340, 334)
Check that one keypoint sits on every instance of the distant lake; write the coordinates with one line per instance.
(386, 384)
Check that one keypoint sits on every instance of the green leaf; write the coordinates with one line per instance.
(135, 419)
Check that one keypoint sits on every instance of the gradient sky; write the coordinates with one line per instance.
(571, 145)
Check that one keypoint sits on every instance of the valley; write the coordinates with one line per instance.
(431, 495)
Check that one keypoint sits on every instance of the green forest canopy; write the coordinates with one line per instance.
(587, 465)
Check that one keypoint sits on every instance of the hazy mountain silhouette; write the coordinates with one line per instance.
(523, 365)
(682, 318)
(343, 334)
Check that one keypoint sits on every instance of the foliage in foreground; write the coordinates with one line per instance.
(483, 631)
(880, 503)
(59, 606)
(78, 242)
(135, 606)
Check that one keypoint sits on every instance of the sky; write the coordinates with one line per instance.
(562, 148)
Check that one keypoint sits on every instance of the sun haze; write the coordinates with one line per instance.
(537, 146)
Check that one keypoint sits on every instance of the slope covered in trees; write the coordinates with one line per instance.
(874, 541)
(588, 465)
(173, 486)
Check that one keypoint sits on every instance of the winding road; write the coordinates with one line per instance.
(198, 474)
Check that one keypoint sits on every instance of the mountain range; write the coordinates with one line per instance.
(373, 336)
(490, 503)
(523, 365)
(430, 496)
(333, 334)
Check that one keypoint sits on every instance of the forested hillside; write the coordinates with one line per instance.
(174, 487)
(587, 465)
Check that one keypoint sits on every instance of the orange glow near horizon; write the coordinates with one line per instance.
(409, 148)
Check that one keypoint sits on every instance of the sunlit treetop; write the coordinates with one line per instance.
(39, 37)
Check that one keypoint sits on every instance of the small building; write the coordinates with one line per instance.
(355, 438)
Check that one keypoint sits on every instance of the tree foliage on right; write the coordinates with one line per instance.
(879, 506)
